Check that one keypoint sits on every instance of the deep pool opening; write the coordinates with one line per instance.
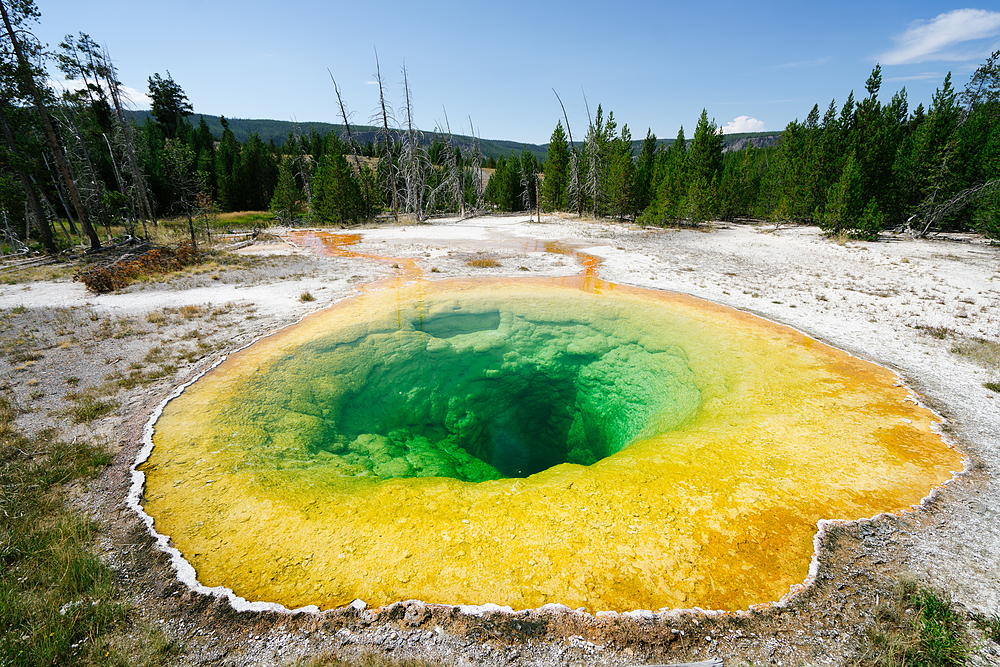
(517, 418)
(487, 395)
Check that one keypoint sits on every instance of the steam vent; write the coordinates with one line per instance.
(524, 442)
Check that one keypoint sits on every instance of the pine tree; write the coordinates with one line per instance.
(337, 197)
(226, 159)
(620, 176)
(671, 184)
(704, 167)
(254, 176)
(169, 105)
(556, 171)
(645, 171)
(845, 202)
(288, 201)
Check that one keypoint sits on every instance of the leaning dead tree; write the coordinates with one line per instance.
(935, 215)
(573, 187)
(81, 163)
(347, 123)
(136, 184)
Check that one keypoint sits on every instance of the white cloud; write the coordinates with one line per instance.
(925, 76)
(742, 124)
(934, 39)
(130, 96)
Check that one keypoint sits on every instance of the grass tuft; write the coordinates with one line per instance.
(306, 296)
(940, 333)
(916, 627)
(89, 404)
(990, 626)
(56, 597)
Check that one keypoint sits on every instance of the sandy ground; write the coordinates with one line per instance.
(906, 304)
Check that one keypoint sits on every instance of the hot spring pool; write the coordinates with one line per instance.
(525, 442)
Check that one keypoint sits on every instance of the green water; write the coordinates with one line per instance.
(473, 395)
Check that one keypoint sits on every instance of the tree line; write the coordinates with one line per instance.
(73, 166)
(860, 169)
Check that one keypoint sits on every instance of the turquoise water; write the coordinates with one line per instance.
(476, 395)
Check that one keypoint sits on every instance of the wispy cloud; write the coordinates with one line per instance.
(371, 83)
(742, 124)
(936, 39)
(805, 63)
(926, 76)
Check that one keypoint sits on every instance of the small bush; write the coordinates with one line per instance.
(120, 273)
(306, 296)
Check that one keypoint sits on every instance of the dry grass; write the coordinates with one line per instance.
(366, 660)
(940, 333)
(984, 352)
(483, 263)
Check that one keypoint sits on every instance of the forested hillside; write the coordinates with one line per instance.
(80, 162)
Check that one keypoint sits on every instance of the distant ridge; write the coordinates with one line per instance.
(277, 131)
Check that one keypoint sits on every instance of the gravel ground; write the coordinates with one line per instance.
(928, 309)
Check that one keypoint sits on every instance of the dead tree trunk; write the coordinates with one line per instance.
(388, 147)
(574, 172)
(127, 140)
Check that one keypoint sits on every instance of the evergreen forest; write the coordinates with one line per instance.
(77, 166)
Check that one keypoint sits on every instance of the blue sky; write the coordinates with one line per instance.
(753, 66)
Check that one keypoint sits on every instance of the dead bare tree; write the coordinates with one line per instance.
(451, 184)
(476, 165)
(387, 137)
(414, 158)
(591, 149)
(574, 162)
(347, 123)
(81, 162)
(137, 189)
(302, 166)
(529, 181)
